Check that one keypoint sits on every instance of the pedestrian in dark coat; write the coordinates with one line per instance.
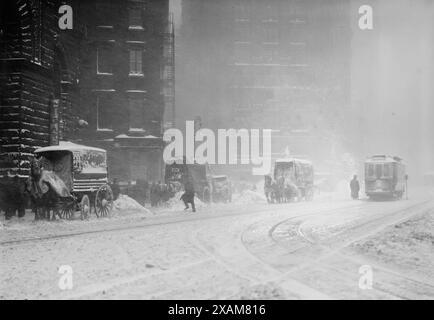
(153, 194)
(355, 188)
(115, 189)
(188, 196)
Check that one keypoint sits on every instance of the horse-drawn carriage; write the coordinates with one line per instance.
(293, 179)
(70, 177)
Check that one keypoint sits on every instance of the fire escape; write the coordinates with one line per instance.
(169, 74)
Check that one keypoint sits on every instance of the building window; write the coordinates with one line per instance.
(271, 33)
(103, 61)
(104, 113)
(136, 112)
(136, 62)
(135, 18)
(243, 32)
(104, 12)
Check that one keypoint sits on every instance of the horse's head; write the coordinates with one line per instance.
(35, 168)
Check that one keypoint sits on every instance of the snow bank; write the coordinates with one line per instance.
(176, 204)
(407, 245)
(126, 203)
(267, 291)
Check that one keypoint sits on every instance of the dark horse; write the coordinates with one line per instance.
(271, 190)
(42, 195)
(13, 198)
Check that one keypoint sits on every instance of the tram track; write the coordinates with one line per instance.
(265, 209)
(328, 252)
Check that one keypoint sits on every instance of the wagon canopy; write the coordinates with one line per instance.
(293, 169)
(82, 168)
(86, 159)
(68, 146)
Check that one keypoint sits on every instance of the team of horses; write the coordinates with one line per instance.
(36, 192)
(277, 191)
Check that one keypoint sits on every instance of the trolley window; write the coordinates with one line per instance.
(379, 170)
(370, 170)
(387, 170)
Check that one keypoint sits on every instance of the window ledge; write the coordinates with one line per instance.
(104, 130)
(140, 75)
(104, 73)
(136, 28)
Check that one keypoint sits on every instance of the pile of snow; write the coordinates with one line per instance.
(126, 203)
(176, 204)
(249, 196)
(407, 245)
(268, 291)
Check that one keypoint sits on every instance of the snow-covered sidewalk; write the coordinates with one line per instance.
(407, 246)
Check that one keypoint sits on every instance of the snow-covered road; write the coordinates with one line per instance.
(281, 251)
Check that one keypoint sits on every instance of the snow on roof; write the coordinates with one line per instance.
(383, 158)
(293, 160)
(125, 136)
(219, 176)
(68, 146)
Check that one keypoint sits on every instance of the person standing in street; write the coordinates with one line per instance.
(355, 188)
(115, 189)
(188, 196)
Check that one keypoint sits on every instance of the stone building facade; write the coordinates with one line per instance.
(104, 78)
(122, 89)
(39, 70)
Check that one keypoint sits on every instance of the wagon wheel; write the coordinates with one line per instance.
(67, 210)
(103, 201)
(84, 207)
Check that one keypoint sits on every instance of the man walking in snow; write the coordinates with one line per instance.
(355, 188)
(188, 196)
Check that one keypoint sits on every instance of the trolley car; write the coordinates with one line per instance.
(385, 177)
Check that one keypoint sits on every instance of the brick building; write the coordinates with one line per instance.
(39, 71)
(107, 79)
(122, 84)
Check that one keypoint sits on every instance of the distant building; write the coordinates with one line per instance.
(278, 64)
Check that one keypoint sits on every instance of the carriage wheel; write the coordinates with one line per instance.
(67, 210)
(85, 207)
(103, 201)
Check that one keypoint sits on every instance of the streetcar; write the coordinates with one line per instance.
(385, 177)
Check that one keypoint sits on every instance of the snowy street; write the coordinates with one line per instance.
(305, 250)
